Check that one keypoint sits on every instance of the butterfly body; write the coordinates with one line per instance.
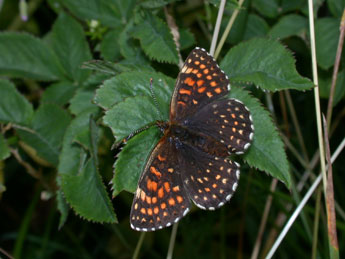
(190, 162)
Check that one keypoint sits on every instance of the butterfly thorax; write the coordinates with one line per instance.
(182, 136)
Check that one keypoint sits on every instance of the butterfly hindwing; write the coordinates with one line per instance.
(200, 82)
(160, 199)
(226, 120)
(209, 181)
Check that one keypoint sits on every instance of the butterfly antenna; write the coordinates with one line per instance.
(155, 100)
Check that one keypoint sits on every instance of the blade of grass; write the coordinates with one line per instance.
(217, 28)
(316, 222)
(335, 70)
(24, 227)
(302, 204)
(139, 244)
(316, 94)
(172, 241)
(228, 28)
(263, 222)
(331, 218)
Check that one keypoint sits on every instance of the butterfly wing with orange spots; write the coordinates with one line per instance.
(200, 82)
(160, 199)
(226, 120)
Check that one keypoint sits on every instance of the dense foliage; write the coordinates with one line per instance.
(75, 82)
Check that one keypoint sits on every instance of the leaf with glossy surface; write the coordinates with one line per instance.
(265, 63)
(267, 149)
(129, 84)
(46, 131)
(132, 159)
(155, 38)
(25, 56)
(80, 182)
(14, 107)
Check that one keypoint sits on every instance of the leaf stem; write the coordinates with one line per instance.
(217, 27)
(228, 28)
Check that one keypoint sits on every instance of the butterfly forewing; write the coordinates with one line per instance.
(200, 82)
(228, 121)
(160, 199)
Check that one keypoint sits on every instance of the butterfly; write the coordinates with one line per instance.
(190, 162)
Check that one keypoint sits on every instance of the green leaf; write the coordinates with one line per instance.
(132, 159)
(187, 39)
(14, 107)
(128, 84)
(336, 7)
(62, 206)
(267, 150)
(110, 49)
(113, 13)
(325, 86)
(81, 184)
(265, 63)
(130, 115)
(155, 39)
(268, 8)
(256, 27)
(46, 131)
(59, 93)
(326, 41)
(4, 149)
(69, 43)
(152, 4)
(289, 25)
(82, 102)
(23, 55)
(101, 66)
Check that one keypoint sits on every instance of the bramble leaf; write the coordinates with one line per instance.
(265, 63)
(23, 55)
(267, 150)
(14, 107)
(156, 39)
(132, 159)
(45, 132)
(80, 178)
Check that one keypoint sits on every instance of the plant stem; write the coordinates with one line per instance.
(217, 27)
(263, 222)
(172, 241)
(331, 218)
(137, 248)
(317, 96)
(302, 204)
(335, 70)
(316, 223)
(228, 28)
